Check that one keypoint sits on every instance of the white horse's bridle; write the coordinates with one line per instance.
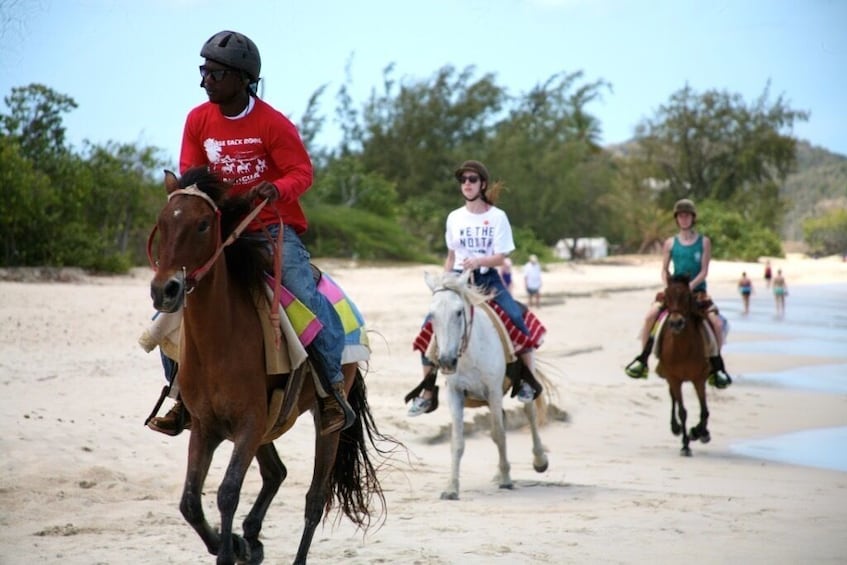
(467, 318)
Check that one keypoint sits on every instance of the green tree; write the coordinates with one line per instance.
(715, 146)
(826, 234)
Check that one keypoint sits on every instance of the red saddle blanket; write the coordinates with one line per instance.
(520, 341)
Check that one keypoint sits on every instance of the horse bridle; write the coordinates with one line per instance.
(191, 279)
(467, 317)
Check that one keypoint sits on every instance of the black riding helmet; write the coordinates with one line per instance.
(234, 50)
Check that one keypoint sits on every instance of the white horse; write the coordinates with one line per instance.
(470, 354)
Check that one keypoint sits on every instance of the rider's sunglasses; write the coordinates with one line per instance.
(473, 179)
(217, 74)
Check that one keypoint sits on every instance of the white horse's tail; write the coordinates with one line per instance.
(544, 399)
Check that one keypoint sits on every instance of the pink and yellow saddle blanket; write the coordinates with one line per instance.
(514, 340)
(299, 326)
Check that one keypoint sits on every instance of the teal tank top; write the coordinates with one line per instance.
(687, 259)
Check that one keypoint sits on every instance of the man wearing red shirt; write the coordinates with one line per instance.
(257, 149)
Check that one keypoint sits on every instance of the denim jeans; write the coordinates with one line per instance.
(490, 281)
(326, 349)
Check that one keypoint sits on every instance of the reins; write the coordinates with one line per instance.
(191, 279)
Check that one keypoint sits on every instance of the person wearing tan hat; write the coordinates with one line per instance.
(690, 253)
(479, 238)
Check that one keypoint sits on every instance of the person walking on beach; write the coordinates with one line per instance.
(532, 281)
(745, 287)
(690, 254)
(258, 150)
(780, 291)
(768, 274)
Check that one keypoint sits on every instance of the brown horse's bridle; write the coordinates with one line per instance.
(191, 279)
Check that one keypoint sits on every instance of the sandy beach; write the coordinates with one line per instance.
(83, 481)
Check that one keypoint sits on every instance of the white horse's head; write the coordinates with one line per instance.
(451, 315)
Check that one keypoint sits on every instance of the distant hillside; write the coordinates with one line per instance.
(819, 182)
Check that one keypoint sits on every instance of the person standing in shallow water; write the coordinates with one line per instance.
(745, 287)
(780, 291)
(768, 274)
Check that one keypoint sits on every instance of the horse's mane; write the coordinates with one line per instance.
(247, 259)
(679, 279)
(473, 294)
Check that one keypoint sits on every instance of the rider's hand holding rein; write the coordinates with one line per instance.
(264, 191)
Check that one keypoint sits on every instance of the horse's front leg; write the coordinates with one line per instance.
(200, 451)
(457, 442)
(683, 416)
(498, 434)
(701, 430)
(273, 474)
(673, 389)
(229, 492)
(539, 453)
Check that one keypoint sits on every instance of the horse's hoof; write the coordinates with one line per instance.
(698, 434)
(676, 430)
(449, 496)
(508, 486)
(541, 468)
(685, 451)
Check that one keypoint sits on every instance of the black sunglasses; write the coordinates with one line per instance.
(217, 74)
(473, 179)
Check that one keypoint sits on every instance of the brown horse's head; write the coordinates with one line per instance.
(191, 228)
(679, 301)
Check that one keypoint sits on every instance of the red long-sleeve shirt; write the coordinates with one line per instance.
(262, 146)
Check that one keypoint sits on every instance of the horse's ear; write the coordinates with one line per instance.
(171, 182)
(431, 281)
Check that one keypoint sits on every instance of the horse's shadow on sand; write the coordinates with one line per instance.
(514, 419)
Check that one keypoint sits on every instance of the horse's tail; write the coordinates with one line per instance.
(354, 483)
(543, 400)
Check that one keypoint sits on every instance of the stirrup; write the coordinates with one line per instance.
(637, 369)
(720, 379)
(427, 383)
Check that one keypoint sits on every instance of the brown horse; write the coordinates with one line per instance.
(682, 358)
(223, 380)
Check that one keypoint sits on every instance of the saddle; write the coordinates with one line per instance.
(516, 370)
(707, 332)
(297, 326)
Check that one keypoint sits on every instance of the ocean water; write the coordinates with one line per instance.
(815, 324)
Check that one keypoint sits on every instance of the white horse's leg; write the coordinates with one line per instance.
(498, 434)
(457, 442)
(539, 454)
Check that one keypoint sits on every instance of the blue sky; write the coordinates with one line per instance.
(132, 66)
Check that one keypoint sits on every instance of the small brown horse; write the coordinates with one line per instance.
(223, 381)
(682, 358)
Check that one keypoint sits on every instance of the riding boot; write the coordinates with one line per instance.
(719, 378)
(428, 383)
(335, 413)
(638, 368)
(518, 373)
(172, 423)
